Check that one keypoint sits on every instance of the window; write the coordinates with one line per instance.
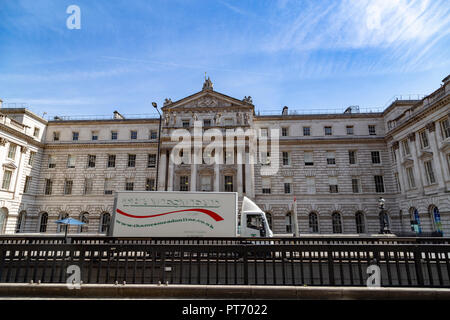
(284, 132)
(379, 184)
(184, 183)
(131, 160)
(71, 161)
(84, 217)
(20, 221)
(332, 181)
(113, 135)
(355, 185)
(186, 124)
(31, 158)
(151, 161)
(287, 185)
(3, 218)
(43, 222)
(88, 185)
(111, 160)
(331, 157)
(207, 122)
(288, 221)
(410, 175)
(266, 185)
(153, 134)
(352, 157)
(313, 223)
(75, 136)
(26, 187)
(429, 172)
(359, 221)
(376, 157)
(133, 135)
(263, 132)
(55, 136)
(104, 222)
(423, 139)
(405, 147)
(397, 182)
(94, 135)
(51, 162)
(372, 131)
(12, 151)
(6, 179)
(129, 185)
(311, 185)
(48, 186)
(445, 128)
(205, 182)
(228, 122)
(229, 183)
(91, 161)
(306, 131)
(265, 158)
(150, 184)
(394, 154)
(337, 222)
(328, 131)
(36, 132)
(108, 186)
(308, 155)
(349, 130)
(68, 186)
(61, 227)
(286, 161)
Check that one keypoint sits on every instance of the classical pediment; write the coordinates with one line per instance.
(10, 165)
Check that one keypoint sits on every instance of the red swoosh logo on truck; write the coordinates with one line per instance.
(210, 213)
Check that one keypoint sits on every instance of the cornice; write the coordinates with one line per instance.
(108, 121)
(21, 135)
(317, 116)
(54, 146)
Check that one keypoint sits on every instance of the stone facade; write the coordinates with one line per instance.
(336, 166)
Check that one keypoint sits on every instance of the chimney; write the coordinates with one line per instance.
(117, 115)
(285, 111)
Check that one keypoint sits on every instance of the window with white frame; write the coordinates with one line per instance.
(55, 135)
(131, 160)
(410, 175)
(405, 147)
(184, 183)
(71, 159)
(48, 186)
(91, 161)
(43, 219)
(284, 131)
(336, 222)
(151, 160)
(94, 135)
(429, 171)
(375, 155)
(349, 130)
(111, 161)
(75, 135)
(333, 184)
(7, 174)
(423, 139)
(266, 185)
(153, 134)
(397, 182)
(113, 135)
(328, 131)
(129, 184)
(445, 128)
(286, 158)
(108, 186)
(12, 151)
(26, 188)
(133, 134)
(355, 185)
(51, 162)
(36, 132)
(352, 156)
(68, 184)
(104, 222)
(308, 157)
(287, 185)
(31, 158)
(379, 184)
(372, 131)
(306, 131)
(331, 157)
(313, 222)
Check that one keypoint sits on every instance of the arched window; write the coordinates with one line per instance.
(288, 221)
(104, 222)
(84, 217)
(436, 218)
(269, 219)
(61, 227)
(337, 222)
(313, 223)
(359, 220)
(3, 218)
(43, 222)
(20, 221)
(415, 220)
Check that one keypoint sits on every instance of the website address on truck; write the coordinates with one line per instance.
(154, 202)
(147, 225)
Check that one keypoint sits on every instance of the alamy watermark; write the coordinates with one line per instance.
(74, 20)
(74, 279)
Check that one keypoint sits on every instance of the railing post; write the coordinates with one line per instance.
(245, 264)
(418, 266)
(330, 268)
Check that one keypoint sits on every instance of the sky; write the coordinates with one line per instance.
(307, 55)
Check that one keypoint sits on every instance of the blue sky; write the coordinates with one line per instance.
(303, 54)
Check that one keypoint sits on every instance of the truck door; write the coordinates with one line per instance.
(255, 225)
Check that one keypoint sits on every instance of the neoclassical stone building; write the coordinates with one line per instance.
(336, 166)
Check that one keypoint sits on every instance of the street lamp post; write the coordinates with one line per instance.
(384, 223)
(159, 144)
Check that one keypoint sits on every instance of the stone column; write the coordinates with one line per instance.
(438, 165)
(416, 167)
(401, 176)
(162, 171)
(170, 175)
(193, 177)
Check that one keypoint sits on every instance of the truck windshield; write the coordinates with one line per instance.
(254, 221)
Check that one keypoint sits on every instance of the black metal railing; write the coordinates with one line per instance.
(243, 263)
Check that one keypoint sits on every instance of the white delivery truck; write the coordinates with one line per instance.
(185, 214)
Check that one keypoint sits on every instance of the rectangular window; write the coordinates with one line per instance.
(205, 182)
(68, 186)
(55, 136)
(263, 132)
(184, 183)
(108, 186)
(410, 175)
(207, 122)
(12, 151)
(48, 186)
(308, 155)
(311, 185)
(287, 185)
(6, 179)
(113, 135)
(111, 160)
(153, 134)
(328, 131)
(229, 183)
(405, 148)
(284, 132)
(423, 139)
(349, 130)
(355, 185)
(331, 157)
(228, 122)
(286, 161)
(129, 185)
(266, 185)
(332, 181)
(394, 154)
(36, 132)
(186, 124)
(133, 135)
(445, 128)
(131, 160)
(306, 131)
(75, 136)
(372, 131)
(379, 184)
(71, 161)
(151, 161)
(31, 158)
(91, 161)
(51, 162)
(26, 187)
(376, 157)
(429, 172)
(94, 135)
(397, 182)
(352, 157)
(88, 185)
(150, 184)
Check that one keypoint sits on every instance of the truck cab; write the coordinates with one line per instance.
(253, 221)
